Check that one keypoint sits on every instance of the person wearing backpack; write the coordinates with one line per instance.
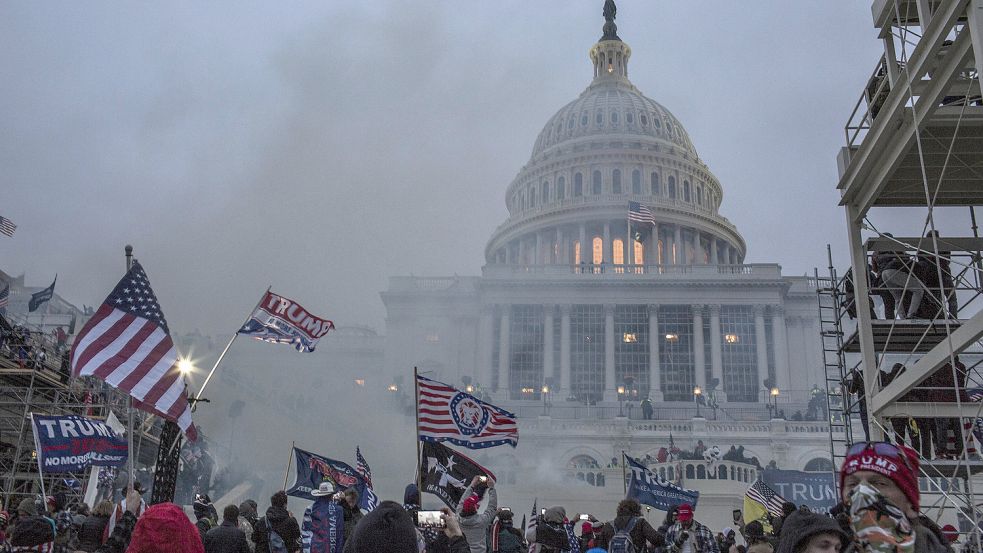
(629, 531)
(506, 538)
(278, 531)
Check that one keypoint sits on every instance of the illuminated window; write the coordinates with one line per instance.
(576, 252)
(432, 337)
(619, 252)
(627, 337)
(598, 250)
(639, 253)
(360, 382)
(731, 338)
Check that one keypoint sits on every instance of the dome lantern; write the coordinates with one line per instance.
(610, 54)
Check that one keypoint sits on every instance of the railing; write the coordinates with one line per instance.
(593, 269)
(676, 427)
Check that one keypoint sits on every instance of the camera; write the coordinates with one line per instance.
(430, 519)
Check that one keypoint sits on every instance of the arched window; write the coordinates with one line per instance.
(599, 118)
(598, 253)
(546, 192)
(701, 472)
(636, 182)
(619, 252)
(644, 119)
(561, 188)
(629, 118)
(576, 252)
(690, 473)
(685, 190)
(662, 472)
(639, 253)
(584, 119)
(699, 196)
(590, 478)
(732, 472)
(616, 181)
(578, 185)
(656, 187)
(819, 464)
(672, 188)
(596, 184)
(672, 474)
(614, 118)
(600, 480)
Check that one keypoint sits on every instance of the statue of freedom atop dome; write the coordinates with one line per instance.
(610, 10)
(610, 29)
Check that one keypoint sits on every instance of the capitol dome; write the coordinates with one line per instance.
(609, 149)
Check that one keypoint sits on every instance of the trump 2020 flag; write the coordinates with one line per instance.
(127, 344)
(72, 443)
(651, 489)
(312, 469)
(445, 413)
(283, 321)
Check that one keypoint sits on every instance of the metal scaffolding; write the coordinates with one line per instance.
(915, 140)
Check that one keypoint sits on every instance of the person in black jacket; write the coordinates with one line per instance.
(629, 509)
(278, 519)
(94, 526)
(227, 538)
(30, 531)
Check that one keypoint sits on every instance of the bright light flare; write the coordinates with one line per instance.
(185, 366)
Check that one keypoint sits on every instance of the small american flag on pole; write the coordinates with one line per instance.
(7, 226)
(638, 213)
(445, 413)
(362, 467)
(128, 345)
(763, 494)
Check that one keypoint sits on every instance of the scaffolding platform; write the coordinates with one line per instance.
(903, 336)
(952, 468)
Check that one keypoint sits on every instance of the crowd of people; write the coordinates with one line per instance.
(879, 513)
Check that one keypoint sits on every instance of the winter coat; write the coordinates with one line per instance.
(802, 525)
(891, 260)
(928, 537)
(279, 520)
(227, 538)
(641, 533)
(164, 528)
(352, 516)
(549, 537)
(32, 533)
(509, 541)
(443, 544)
(324, 527)
(90, 535)
(475, 527)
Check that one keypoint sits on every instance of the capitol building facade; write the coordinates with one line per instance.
(579, 314)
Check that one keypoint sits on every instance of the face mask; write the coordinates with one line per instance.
(879, 526)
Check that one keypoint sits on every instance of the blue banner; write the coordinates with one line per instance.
(312, 469)
(651, 489)
(72, 443)
(813, 489)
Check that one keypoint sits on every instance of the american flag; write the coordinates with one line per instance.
(763, 494)
(7, 226)
(531, 525)
(362, 467)
(127, 344)
(640, 213)
(5, 296)
(445, 413)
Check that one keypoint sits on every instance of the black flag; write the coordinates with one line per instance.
(446, 473)
(39, 298)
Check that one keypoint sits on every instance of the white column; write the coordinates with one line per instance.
(585, 255)
(699, 356)
(655, 338)
(780, 339)
(564, 352)
(504, 355)
(522, 252)
(539, 249)
(607, 254)
(560, 249)
(680, 258)
(716, 354)
(714, 259)
(610, 391)
(761, 346)
(485, 345)
(697, 258)
(653, 258)
(548, 340)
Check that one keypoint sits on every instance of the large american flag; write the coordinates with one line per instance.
(639, 213)
(127, 344)
(7, 226)
(362, 467)
(445, 413)
(5, 296)
(763, 494)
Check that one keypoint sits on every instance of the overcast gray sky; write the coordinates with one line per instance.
(323, 146)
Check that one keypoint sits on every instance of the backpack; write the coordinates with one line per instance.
(621, 542)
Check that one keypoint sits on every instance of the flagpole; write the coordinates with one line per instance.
(629, 254)
(194, 401)
(129, 398)
(37, 448)
(624, 472)
(416, 403)
(290, 458)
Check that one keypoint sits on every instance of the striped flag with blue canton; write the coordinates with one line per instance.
(4, 297)
(7, 226)
(640, 213)
(362, 467)
(763, 494)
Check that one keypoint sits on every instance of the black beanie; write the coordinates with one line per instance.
(411, 496)
(802, 525)
(387, 528)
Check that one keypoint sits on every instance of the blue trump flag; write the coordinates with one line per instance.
(816, 490)
(651, 489)
(312, 469)
(73, 443)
